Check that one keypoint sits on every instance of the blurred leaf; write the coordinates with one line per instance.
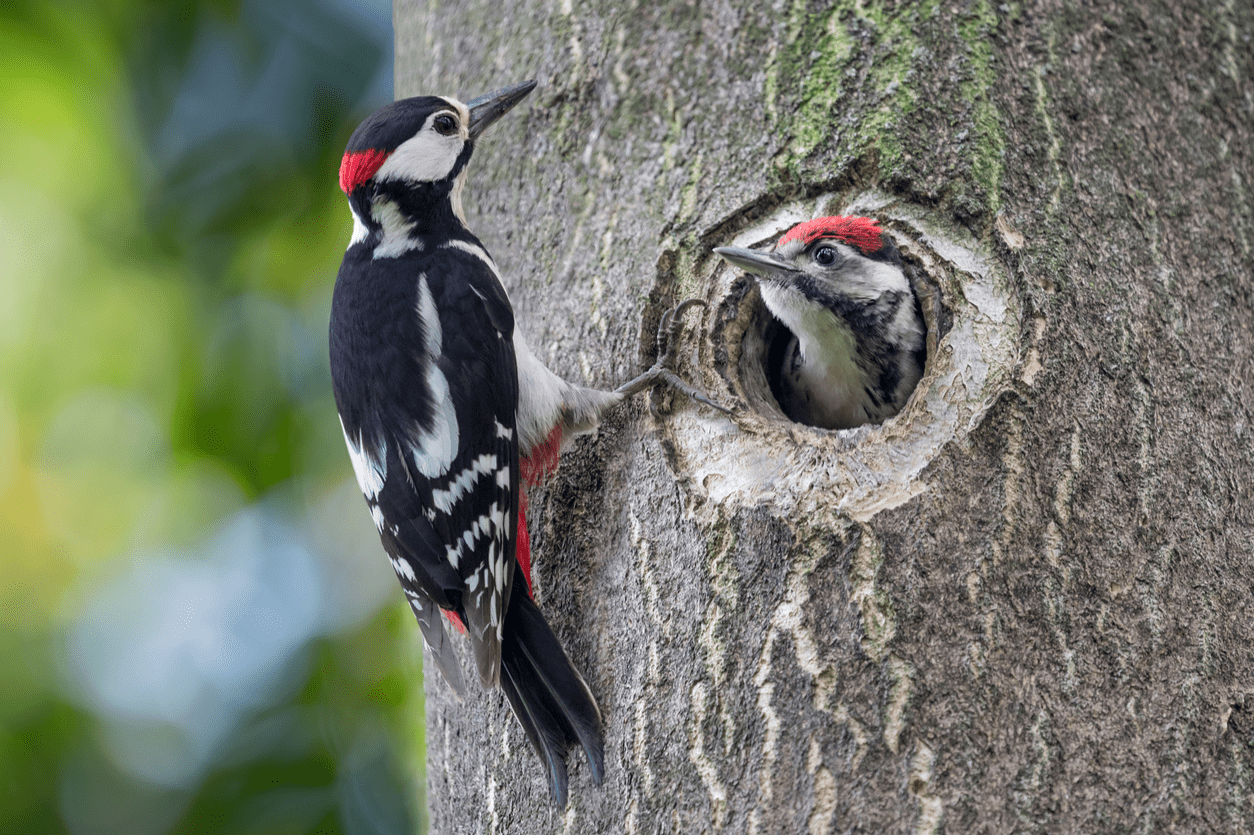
(170, 228)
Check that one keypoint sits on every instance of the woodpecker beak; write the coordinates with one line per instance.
(492, 106)
(763, 264)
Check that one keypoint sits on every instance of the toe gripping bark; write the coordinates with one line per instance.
(663, 371)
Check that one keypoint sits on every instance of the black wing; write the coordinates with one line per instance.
(432, 332)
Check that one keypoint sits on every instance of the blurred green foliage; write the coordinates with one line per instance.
(198, 631)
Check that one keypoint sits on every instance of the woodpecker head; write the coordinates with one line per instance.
(838, 286)
(824, 259)
(420, 144)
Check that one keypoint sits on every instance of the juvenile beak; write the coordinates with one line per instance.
(492, 106)
(763, 264)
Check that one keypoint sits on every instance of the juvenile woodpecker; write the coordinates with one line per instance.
(856, 349)
(447, 412)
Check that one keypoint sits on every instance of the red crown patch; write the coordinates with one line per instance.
(862, 233)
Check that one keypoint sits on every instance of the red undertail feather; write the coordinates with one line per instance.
(533, 470)
(359, 166)
(522, 551)
(536, 467)
(862, 233)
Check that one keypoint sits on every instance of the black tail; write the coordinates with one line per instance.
(548, 695)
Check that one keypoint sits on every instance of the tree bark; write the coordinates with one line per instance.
(1022, 604)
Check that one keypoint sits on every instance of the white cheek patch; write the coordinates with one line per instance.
(874, 279)
(425, 157)
(859, 277)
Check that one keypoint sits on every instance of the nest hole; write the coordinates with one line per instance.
(766, 340)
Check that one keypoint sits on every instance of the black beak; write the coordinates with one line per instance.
(492, 106)
(763, 264)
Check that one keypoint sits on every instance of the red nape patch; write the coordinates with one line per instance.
(359, 166)
(862, 233)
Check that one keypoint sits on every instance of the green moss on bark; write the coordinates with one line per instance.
(976, 30)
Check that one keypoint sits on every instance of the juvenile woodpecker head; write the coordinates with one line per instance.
(414, 152)
(857, 346)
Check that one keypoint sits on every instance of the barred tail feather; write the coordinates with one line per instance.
(547, 694)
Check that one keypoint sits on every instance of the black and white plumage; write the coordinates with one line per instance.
(856, 346)
(442, 403)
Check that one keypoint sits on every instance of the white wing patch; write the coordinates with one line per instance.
(436, 447)
(433, 334)
(370, 467)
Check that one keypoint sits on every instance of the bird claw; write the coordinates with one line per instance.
(676, 382)
(669, 330)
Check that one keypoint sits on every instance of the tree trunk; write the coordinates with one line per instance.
(1022, 604)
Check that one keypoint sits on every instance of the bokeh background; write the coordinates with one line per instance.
(198, 631)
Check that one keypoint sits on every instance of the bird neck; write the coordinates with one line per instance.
(822, 335)
(395, 215)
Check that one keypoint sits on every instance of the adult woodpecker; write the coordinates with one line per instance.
(856, 349)
(447, 412)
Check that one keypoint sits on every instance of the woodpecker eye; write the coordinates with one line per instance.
(825, 255)
(445, 124)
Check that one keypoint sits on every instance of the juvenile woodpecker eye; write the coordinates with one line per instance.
(445, 124)
(825, 255)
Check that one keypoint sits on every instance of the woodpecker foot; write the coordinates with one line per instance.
(669, 330)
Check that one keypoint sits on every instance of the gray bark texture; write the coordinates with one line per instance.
(1023, 604)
